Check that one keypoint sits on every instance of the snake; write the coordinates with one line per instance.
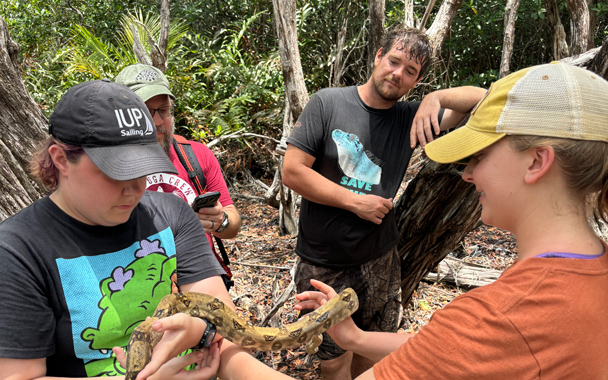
(307, 330)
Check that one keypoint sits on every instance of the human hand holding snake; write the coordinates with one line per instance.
(307, 330)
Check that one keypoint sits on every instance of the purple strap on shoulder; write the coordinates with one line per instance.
(568, 255)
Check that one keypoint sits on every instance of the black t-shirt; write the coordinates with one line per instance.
(363, 149)
(71, 291)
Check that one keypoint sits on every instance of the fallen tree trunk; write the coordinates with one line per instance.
(460, 273)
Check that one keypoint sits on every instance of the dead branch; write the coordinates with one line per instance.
(238, 135)
(463, 274)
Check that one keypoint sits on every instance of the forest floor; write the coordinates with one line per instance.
(261, 260)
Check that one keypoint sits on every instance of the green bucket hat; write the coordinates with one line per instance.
(145, 80)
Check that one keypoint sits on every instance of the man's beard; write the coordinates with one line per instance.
(383, 93)
(167, 138)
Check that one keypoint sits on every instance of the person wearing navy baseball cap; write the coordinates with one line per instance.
(83, 266)
(114, 128)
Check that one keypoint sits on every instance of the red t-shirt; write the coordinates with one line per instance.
(545, 318)
(183, 187)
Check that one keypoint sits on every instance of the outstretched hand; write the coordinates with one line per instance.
(342, 333)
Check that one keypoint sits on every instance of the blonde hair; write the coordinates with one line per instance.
(42, 166)
(583, 163)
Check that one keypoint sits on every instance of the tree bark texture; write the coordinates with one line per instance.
(443, 23)
(338, 65)
(138, 48)
(599, 63)
(560, 46)
(296, 98)
(592, 24)
(595, 60)
(434, 214)
(408, 14)
(22, 127)
(158, 53)
(376, 31)
(579, 26)
(509, 37)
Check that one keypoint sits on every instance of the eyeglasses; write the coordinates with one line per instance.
(164, 112)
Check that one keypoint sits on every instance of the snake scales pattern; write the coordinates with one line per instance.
(307, 330)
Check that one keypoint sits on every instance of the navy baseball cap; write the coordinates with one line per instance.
(113, 126)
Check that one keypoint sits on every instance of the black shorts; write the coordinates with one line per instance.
(378, 286)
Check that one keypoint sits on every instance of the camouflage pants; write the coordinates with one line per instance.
(378, 286)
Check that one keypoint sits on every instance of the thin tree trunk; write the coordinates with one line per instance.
(338, 65)
(579, 26)
(296, 98)
(408, 14)
(376, 31)
(22, 126)
(509, 36)
(443, 23)
(158, 51)
(560, 46)
(592, 24)
(288, 222)
(427, 14)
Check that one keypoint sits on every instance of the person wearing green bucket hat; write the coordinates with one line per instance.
(536, 148)
(198, 170)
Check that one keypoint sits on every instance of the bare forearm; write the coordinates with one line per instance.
(375, 345)
(460, 99)
(238, 364)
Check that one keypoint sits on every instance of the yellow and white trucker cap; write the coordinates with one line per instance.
(554, 100)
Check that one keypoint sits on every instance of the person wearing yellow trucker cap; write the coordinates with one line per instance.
(537, 153)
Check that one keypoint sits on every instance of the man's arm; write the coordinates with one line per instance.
(457, 101)
(299, 176)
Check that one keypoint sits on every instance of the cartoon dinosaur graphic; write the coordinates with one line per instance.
(128, 296)
(354, 161)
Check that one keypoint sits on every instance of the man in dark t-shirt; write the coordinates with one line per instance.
(347, 156)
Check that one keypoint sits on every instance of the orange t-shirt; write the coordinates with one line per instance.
(545, 318)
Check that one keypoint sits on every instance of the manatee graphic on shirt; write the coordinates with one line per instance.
(354, 160)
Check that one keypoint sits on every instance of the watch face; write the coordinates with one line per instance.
(210, 335)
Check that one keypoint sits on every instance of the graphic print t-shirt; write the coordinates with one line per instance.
(72, 291)
(362, 149)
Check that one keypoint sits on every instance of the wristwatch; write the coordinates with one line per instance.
(224, 225)
(208, 336)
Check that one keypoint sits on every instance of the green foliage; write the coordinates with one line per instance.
(225, 71)
(44, 25)
(98, 59)
(222, 86)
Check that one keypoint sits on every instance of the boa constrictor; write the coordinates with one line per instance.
(307, 330)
